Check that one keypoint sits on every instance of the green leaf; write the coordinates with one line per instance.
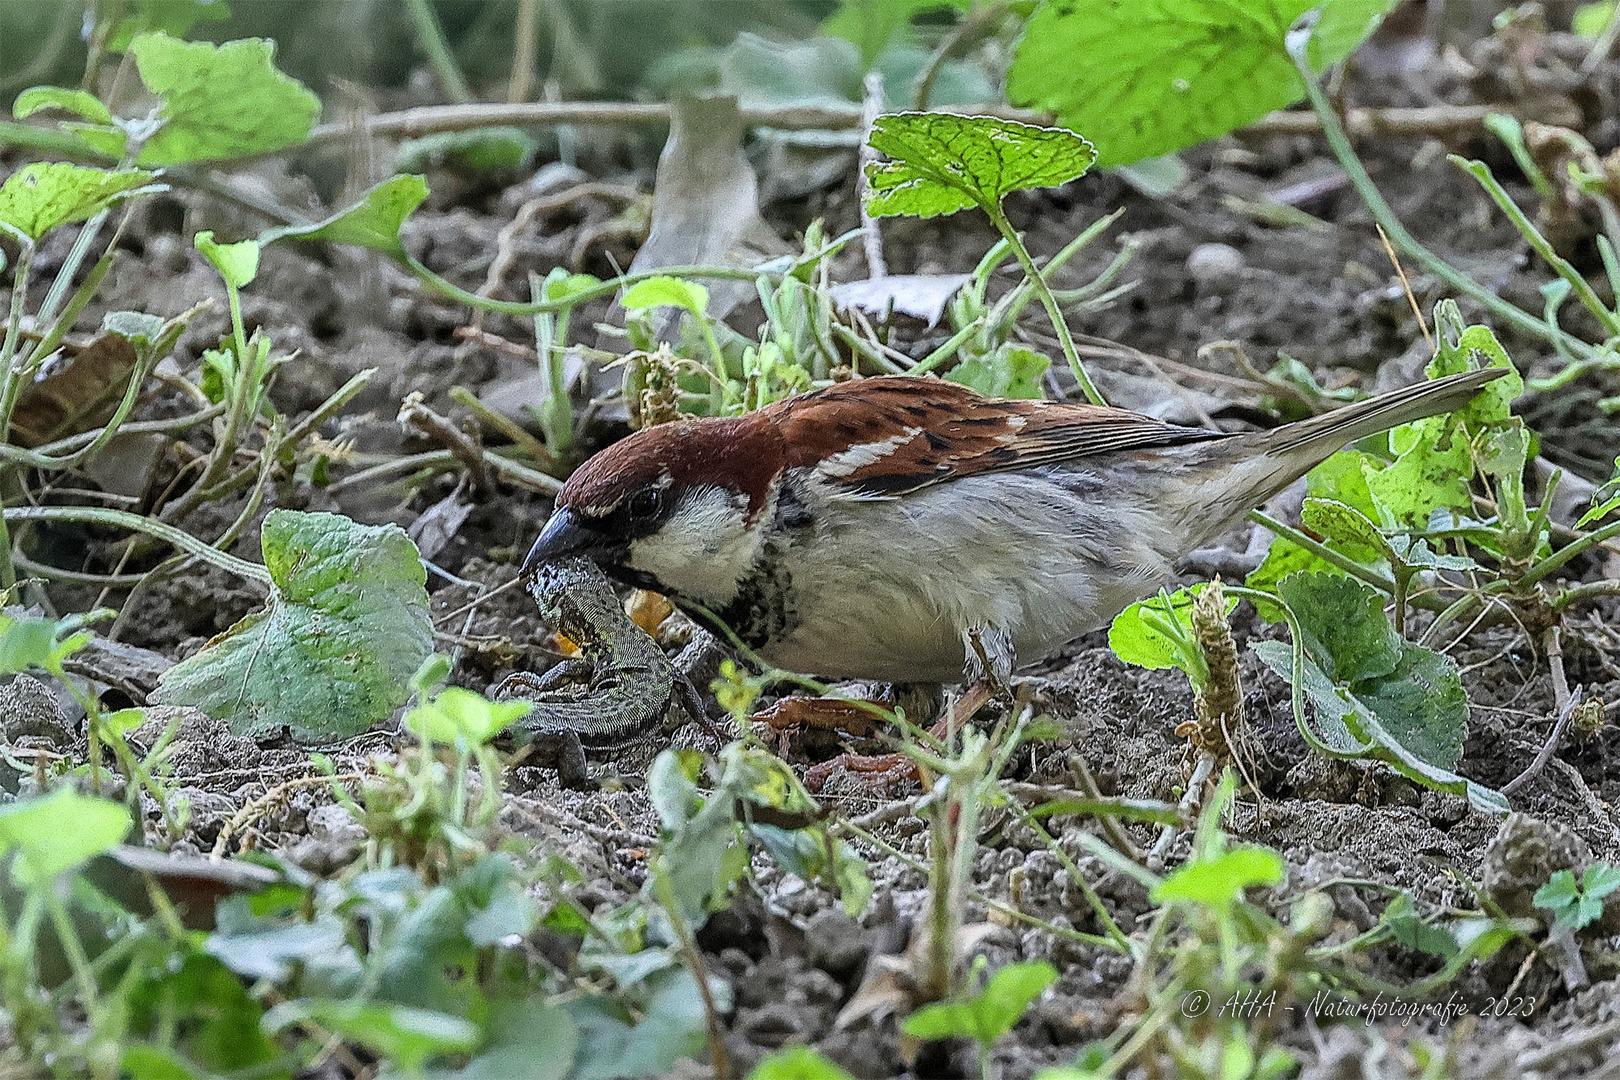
(941, 163)
(1578, 906)
(334, 650)
(1346, 632)
(406, 1036)
(477, 150)
(46, 195)
(1357, 536)
(1376, 694)
(218, 1028)
(237, 263)
(1590, 20)
(1157, 633)
(271, 951)
(670, 1027)
(989, 1014)
(1010, 372)
(1219, 881)
(173, 17)
(373, 222)
(798, 1063)
(875, 25)
(665, 291)
(1435, 473)
(1148, 77)
(219, 101)
(1476, 347)
(57, 832)
(1417, 933)
(29, 641)
(456, 714)
(527, 1040)
(1608, 505)
(79, 102)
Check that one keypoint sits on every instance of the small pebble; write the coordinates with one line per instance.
(1215, 265)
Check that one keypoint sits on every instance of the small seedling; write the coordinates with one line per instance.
(987, 1015)
(941, 163)
(1187, 630)
(1577, 905)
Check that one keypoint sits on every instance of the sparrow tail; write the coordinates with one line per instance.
(1316, 438)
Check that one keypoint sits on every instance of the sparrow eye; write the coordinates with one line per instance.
(646, 503)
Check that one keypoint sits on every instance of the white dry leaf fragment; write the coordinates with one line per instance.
(922, 296)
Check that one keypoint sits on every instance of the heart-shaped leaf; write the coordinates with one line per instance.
(333, 652)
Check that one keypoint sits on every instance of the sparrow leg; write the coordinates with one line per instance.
(882, 772)
(989, 658)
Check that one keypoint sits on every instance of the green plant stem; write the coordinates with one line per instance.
(1079, 937)
(122, 519)
(10, 379)
(430, 35)
(1322, 551)
(1116, 937)
(1032, 273)
(605, 289)
(1018, 299)
(70, 266)
(1538, 243)
(1339, 143)
(1568, 552)
(1592, 589)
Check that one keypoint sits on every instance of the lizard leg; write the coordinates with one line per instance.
(526, 684)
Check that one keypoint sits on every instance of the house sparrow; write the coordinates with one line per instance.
(893, 528)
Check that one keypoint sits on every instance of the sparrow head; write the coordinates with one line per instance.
(677, 508)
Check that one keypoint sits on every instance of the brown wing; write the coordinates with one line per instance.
(906, 433)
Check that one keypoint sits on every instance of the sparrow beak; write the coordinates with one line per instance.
(563, 535)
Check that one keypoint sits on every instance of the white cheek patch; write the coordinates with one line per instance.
(858, 457)
(705, 547)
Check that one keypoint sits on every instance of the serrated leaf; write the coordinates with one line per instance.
(373, 222)
(1412, 713)
(1151, 76)
(1434, 473)
(79, 102)
(455, 714)
(665, 291)
(220, 101)
(54, 833)
(1220, 881)
(46, 195)
(1477, 347)
(173, 17)
(1417, 553)
(1355, 533)
(1422, 705)
(1343, 621)
(941, 163)
(1010, 372)
(989, 1014)
(237, 263)
(334, 650)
